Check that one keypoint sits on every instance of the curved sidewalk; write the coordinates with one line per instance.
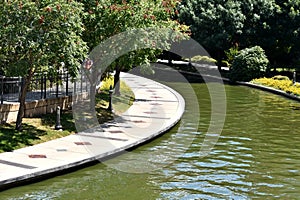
(157, 108)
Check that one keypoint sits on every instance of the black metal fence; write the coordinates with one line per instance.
(42, 86)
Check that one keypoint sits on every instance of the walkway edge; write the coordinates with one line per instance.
(61, 162)
(270, 89)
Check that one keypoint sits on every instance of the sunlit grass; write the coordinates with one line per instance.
(119, 103)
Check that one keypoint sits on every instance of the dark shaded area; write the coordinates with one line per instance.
(168, 72)
(66, 119)
(103, 114)
(10, 139)
(284, 73)
(167, 55)
(180, 67)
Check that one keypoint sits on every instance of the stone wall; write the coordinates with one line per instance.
(8, 112)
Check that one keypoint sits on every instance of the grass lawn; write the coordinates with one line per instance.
(41, 129)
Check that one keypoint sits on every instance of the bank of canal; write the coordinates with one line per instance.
(257, 156)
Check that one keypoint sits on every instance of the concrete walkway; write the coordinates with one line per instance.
(157, 108)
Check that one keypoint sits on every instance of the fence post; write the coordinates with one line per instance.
(45, 85)
(20, 88)
(2, 88)
(74, 88)
(86, 89)
(42, 85)
(81, 77)
(20, 84)
(57, 78)
(67, 85)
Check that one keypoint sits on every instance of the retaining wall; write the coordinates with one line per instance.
(9, 112)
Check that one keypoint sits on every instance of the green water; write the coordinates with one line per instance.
(257, 157)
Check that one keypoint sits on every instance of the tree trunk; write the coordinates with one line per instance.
(117, 81)
(22, 99)
(92, 96)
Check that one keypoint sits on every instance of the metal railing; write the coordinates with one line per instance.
(42, 86)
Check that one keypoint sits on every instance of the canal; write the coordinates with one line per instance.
(257, 156)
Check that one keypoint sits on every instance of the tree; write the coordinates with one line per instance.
(273, 25)
(38, 36)
(214, 24)
(107, 18)
(222, 24)
(284, 48)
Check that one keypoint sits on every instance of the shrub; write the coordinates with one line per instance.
(106, 83)
(250, 63)
(280, 77)
(284, 85)
(203, 59)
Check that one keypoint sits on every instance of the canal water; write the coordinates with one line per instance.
(257, 156)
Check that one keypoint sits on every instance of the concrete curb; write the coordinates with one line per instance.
(248, 84)
(269, 89)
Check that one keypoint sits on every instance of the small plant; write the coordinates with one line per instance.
(230, 54)
(250, 63)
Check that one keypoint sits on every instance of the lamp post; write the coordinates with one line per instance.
(110, 108)
(294, 78)
(190, 61)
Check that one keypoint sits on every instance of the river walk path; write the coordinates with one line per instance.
(157, 109)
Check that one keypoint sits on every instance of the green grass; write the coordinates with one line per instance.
(120, 103)
(41, 129)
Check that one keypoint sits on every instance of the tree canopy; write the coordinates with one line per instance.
(48, 35)
(39, 36)
(272, 24)
(107, 18)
